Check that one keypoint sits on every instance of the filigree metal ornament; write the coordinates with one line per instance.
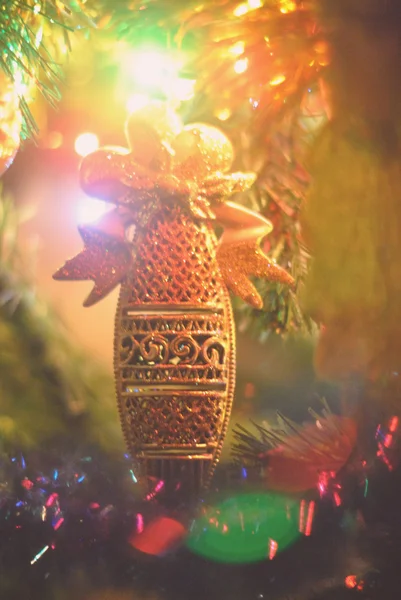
(174, 334)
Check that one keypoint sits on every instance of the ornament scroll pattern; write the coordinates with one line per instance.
(188, 348)
(167, 352)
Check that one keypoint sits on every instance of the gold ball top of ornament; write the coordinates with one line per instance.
(200, 150)
(149, 132)
(165, 160)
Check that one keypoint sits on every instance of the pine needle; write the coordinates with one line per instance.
(24, 57)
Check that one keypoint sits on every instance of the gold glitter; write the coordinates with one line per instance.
(218, 187)
(243, 259)
(195, 175)
(105, 260)
(200, 150)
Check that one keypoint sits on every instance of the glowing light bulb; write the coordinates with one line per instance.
(148, 67)
(223, 114)
(237, 49)
(241, 10)
(86, 143)
(241, 65)
(288, 6)
(245, 7)
(91, 209)
(136, 102)
(153, 68)
(277, 80)
(182, 89)
(254, 4)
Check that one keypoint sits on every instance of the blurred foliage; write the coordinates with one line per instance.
(279, 42)
(49, 388)
(35, 39)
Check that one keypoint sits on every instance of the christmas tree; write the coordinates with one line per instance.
(307, 93)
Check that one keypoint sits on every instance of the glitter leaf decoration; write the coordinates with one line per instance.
(245, 259)
(219, 186)
(105, 260)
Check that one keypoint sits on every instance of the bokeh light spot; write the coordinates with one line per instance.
(246, 528)
(53, 140)
(86, 143)
(287, 6)
(237, 49)
(350, 582)
(223, 114)
(183, 89)
(241, 10)
(152, 68)
(279, 79)
(91, 209)
(136, 102)
(241, 65)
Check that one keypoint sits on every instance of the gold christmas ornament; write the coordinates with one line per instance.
(174, 345)
(10, 123)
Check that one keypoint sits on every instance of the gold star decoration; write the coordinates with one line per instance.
(244, 259)
(105, 260)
